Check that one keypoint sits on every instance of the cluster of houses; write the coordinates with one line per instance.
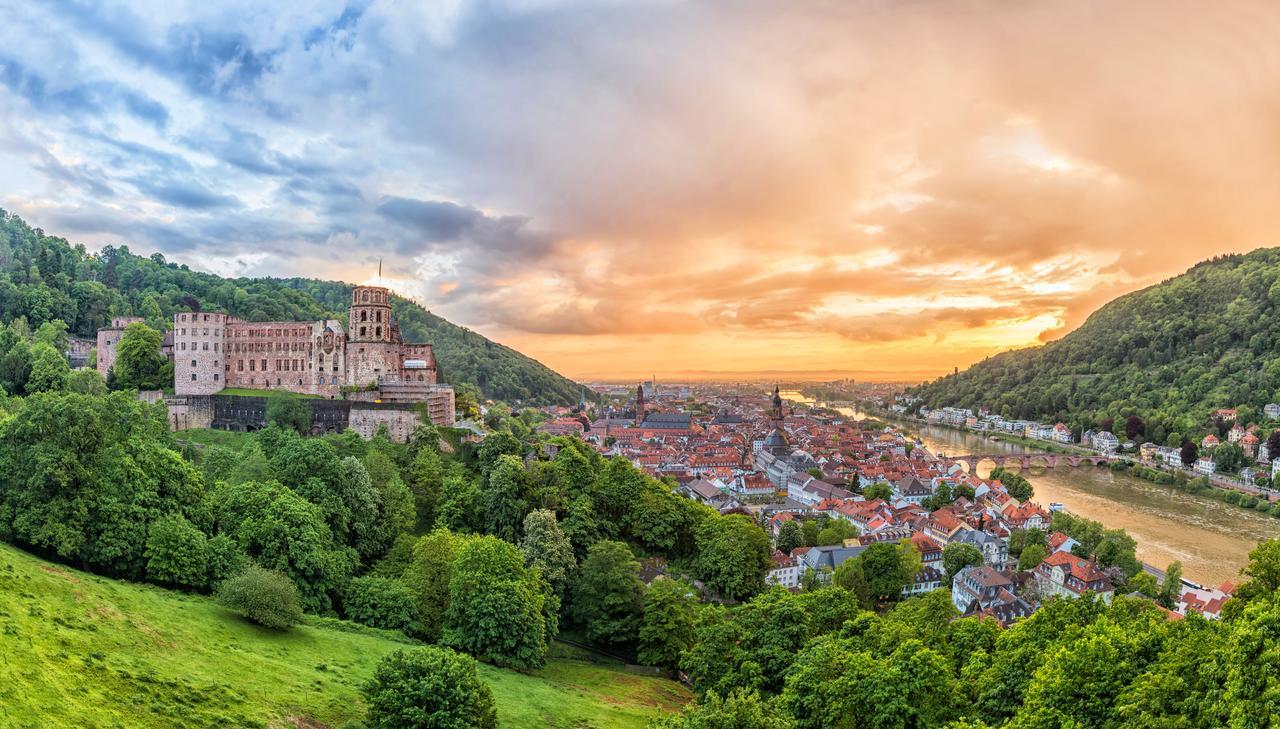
(745, 452)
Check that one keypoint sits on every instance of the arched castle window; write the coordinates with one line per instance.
(378, 332)
(364, 316)
(365, 297)
(362, 331)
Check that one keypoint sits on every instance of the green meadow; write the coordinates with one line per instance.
(84, 651)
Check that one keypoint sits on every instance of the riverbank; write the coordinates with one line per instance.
(1211, 537)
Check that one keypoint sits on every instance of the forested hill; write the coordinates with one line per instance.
(43, 277)
(1171, 353)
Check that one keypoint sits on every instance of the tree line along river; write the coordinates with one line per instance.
(1211, 538)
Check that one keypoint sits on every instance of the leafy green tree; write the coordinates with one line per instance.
(1263, 572)
(667, 623)
(732, 556)
(958, 555)
(504, 505)
(547, 548)
(429, 688)
(1014, 483)
(176, 553)
(1227, 457)
(139, 363)
(52, 333)
(1171, 589)
(811, 528)
(86, 477)
(790, 536)
(287, 410)
(428, 576)
(835, 532)
(495, 608)
(740, 709)
(15, 364)
(1031, 556)
(282, 531)
(1022, 538)
(889, 568)
(459, 505)
(426, 482)
(267, 598)
(380, 602)
(850, 576)
(878, 491)
(582, 526)
(608, 593)
(1144, 584)
(86, 382)
(49, 369)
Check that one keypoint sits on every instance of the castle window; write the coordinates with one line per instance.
(364, 316)
(378, 332)
(215, 376)
(193, 377)
(253, 365)
(240, 365)
(379, 316)
(264, 365)
(205, 347)
(184, 331)
(365, 297)
(206, 318)
(362, 331)
(184, 345)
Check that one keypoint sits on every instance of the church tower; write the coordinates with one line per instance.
(639, 404)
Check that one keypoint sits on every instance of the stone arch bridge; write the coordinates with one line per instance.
(1025, 461)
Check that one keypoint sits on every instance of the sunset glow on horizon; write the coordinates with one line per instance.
(884, 190)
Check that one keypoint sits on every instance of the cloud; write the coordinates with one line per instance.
(665, 185)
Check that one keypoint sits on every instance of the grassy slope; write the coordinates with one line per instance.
(86, 651)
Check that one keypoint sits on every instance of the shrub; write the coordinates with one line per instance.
(263, 596)
(429, 687)
(1232, 497)
(380, 602)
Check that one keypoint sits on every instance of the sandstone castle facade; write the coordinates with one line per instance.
(368, 362)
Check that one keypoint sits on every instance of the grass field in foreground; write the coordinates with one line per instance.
(85, 651)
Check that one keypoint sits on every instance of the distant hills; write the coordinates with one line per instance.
(1171, 353)
(44, 277)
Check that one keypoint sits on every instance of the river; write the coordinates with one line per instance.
(1211, 538)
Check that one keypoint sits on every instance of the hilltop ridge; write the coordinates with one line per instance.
(1171, 353)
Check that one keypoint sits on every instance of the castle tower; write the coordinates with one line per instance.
(369, 316)
(199, 352)
(373, 347)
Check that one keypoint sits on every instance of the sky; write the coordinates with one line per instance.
(877, 189)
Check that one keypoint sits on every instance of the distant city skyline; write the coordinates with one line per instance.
(879, 190)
